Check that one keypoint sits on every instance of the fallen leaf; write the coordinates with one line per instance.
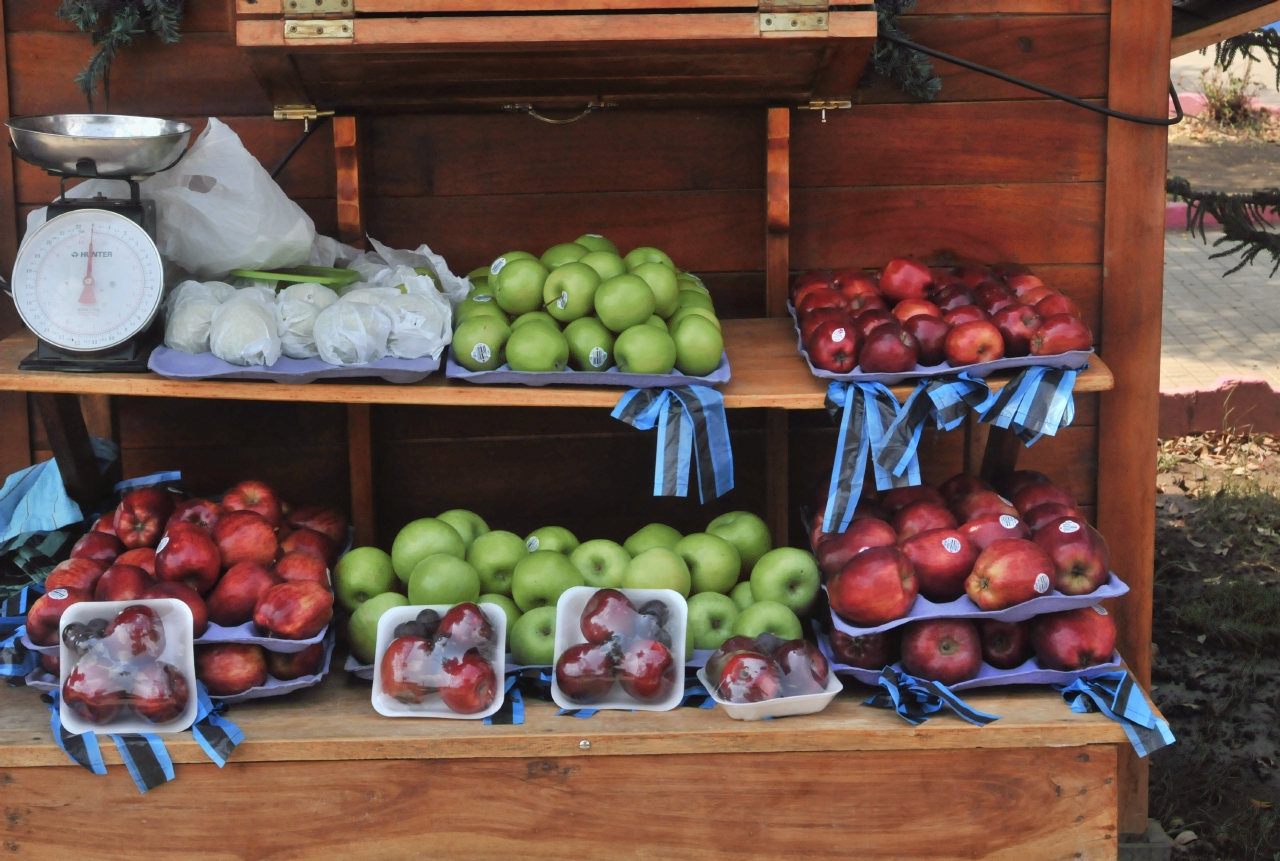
(1195, 543)
(1260, 805)
(1202, 638)
(1200, 673)
(1185, 837)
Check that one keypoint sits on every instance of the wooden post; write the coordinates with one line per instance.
(777, 438)
(360, 459)
(69, 441)
(1132, 292)
(346, 152)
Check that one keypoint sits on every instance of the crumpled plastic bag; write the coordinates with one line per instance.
(368, 294)
(297, 308)
(330, 253)
(419, 325)
(352, 333)
(317, 294)
(189, 314)
(373, 263)
(244, 330)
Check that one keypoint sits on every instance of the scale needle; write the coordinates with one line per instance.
(87, 296)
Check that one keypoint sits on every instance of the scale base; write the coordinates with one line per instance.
(130, 358)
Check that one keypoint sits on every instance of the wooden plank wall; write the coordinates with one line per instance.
(987, 173)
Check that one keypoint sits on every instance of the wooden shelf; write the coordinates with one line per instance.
(767, 373)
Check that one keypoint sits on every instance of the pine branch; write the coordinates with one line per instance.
(911, 70)
(1243, 218)
(1268, 41)
(113, 25)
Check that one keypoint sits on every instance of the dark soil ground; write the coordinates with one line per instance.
(1216, 666)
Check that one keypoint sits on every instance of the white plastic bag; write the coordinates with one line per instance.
(352, 333)
(219, 210)
(419, 325)
(330, 253)
(368, 294)
(244, 331)
(189, 315)
(371, 264)
(297, 308)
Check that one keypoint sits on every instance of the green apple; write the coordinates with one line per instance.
(596, 242)
(537, 348)
(467, 312)
(711, 618)
(662, 281)
(422, 538)
(713, 563)
(478, 344)
(477, 274)
(742, 596)
(745, 531)
(684, 313)
(469, 524)
(695, 299)
(602, 562)
(699, 346)
(541, 578)
(509, 609)
(777, 619)
(570, 291)
(533, 638)
(644, 254)
(590, 345)
(443, 579)
(686, 282)
(788, 576)
(360, 575)
(653, 535)
(495, 555)
(362, 628)
(567, 252)
(519, 285)
(499, 262)
(624, 301)
(657, 568)
(606, 263)
(535, 317)
(644, 350)
(555, 538)
(657, 322)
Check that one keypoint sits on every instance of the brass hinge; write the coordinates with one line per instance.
(320, 29)
(318, 8)
(792, 22)
(307, 113)
(825, 105)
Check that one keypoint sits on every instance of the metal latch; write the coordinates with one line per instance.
(792, 22)
(318, 8)
(316, 29)
(307, 113)
(825, 105)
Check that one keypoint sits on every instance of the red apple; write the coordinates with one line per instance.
(1017, 323)
(105, 523)
(1074, 639)
(235, 596)
(465, 626)
(993, 527)
(855, 282)
(942, 650)
(804, 668)
(1020, 479)
(78, 573)
(837, 548)
(866, 302)
(1041, 515)
(954, 296)
(410, 669)
(608, 615)
(814, 319)
(46, 612)
(931, 334)
(294, 611)
(972, 276)
(944, 276)
(201, 512)
(187, 595)
(982, 503)
(874, 587)
(245, 536)
(921, 517)
(254, 496)
(1079, 554)
(889, 351)
(302, 566)
(647, 671)
(1009, 572)
(964, 314)
(135, 634)
(95, 690)
(1033, 296)
(287, 666)
(304, 540)
(904, 278)
(142, 515)
(159, 692)
(1058, 303)
(908, 308)
(188, 555)
(326, 521)
(942, 559)
(834, 347)
(868, 321)
(122, 583)
(959, 486)
(715, 663)
(898, 498)
(1005, 645)
(50, 662)
(748, 677)
(816, 276)
(868, 652)
(1022, 281)
(140, 557)
(802, 293)
(823, 297)
(993, 296)
(228, 669)
(973, 343)
(97, 545)
(470, 683)
(1060, 333)
(1038, 494)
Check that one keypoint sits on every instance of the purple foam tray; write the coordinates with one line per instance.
(177, 365)
(612, 377)
(964, 608)
(1029, 673)
(278, 688)
(1072, 360)
(247, 634)
(365, 671)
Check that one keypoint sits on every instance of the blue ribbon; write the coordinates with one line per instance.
(216, 735)
(1117, 696)
(946, 400)
(917, 700)
(696, 694)
(692, 428)
(512, 711)
(146, 758)
(82, 749)
(16, 660)
(168, 480)
(1036, 402)
(866, 412)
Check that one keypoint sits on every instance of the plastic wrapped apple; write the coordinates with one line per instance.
(440, 661)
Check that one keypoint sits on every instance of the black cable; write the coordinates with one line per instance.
(1045, 91)
(315, 124)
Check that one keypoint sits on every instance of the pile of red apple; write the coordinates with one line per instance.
(910, 315)
(755, 669)
(450, 655)
(118, 669)
(249, 558)
(963, 538)
(625, 644)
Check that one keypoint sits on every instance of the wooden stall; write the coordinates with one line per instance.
(707, 136)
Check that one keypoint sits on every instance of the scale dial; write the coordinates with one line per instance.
(88, 280)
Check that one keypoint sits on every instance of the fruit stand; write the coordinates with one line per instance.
(690, 145)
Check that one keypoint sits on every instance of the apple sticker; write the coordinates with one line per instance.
(58, 594)
(532, 544)
(497, 265)
(1101, 611)
(482, 297)
(1042, 583)
(597, 357)
(1068, 527)
(480, 352)
(164, 542)
(837, 336)
(951, 544)
(563, 301)
(1005, 501)
(1008, 521)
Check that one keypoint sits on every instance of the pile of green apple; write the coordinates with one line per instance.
(584, 306)
(736, 583)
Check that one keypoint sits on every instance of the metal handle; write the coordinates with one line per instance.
(592, 107)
